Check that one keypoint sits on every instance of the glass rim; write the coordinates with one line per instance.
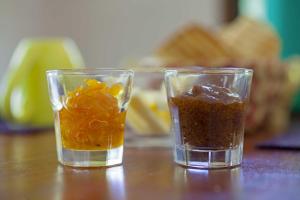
(87, 71)
(210, 70)
(149, 69)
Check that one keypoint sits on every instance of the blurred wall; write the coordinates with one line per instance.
(107, 32)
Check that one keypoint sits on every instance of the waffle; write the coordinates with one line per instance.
(250, 39)
(245, 43)
(193, 45)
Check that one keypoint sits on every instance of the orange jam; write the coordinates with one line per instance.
(91, 118)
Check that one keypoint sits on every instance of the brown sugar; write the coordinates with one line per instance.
(209, 117)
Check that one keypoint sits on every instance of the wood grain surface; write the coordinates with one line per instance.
(29, 170)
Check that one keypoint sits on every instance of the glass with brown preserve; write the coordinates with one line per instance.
(208, 107)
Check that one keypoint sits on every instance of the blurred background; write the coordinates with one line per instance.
(259, 34)
(107, 32)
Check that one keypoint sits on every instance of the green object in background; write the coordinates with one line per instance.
(284, 16)
(23, 93)
(296, 103)
(294, 77)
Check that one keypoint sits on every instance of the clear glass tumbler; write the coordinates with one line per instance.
(148, 113)
(90, 109)
(208, 107)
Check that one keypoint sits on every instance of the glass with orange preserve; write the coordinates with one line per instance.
(90, 109)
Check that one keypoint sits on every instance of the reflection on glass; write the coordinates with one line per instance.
(89, 183)
(221, 183)
(115, 179)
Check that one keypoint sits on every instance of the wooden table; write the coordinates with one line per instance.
(29, 170)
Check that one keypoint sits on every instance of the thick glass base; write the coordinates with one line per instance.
(206, 159)
(91, 158)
